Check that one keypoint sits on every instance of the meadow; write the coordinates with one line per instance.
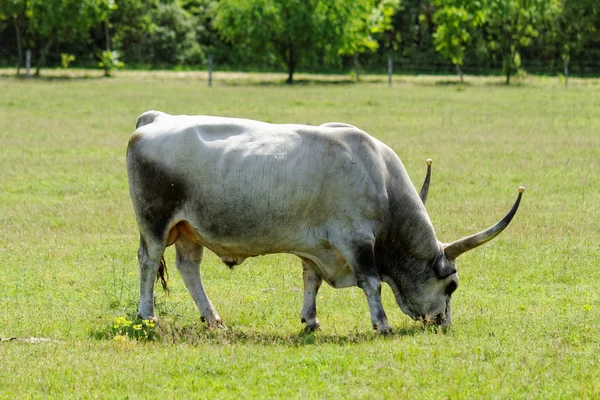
(526, 315)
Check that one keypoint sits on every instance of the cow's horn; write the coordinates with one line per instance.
(425, 188)
(458, 247)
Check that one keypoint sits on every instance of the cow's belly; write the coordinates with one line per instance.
(330, 265)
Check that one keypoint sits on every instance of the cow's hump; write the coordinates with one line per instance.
(147, 118)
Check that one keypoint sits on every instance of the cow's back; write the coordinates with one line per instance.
(256, 186)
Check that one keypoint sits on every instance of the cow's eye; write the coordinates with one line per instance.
(451, 288)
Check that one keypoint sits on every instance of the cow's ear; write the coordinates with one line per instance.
(444, 267)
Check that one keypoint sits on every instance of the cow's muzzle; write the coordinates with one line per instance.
(442, 319)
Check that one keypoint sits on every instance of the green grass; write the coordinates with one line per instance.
(526, 315)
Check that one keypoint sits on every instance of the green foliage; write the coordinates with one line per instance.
(364, 21)
(512, 25)
(66, 60)
(298, 31)
(575, 27)
(133, 24)
(422, 35)
(291, 30)
(109, 61)
(157, 33)
(9, 9)
(63, 20)
(48, 22)
(455, 19)
(206, 34)
(173, 37)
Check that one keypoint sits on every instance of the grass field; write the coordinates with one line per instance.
(526, 316)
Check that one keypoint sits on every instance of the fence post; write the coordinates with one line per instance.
(27, 63)
(389, 70)
(566, 73)
(210, 67)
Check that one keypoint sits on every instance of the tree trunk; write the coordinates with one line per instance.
(507, 67)
(291, 62)
(290, 78)
(356, 67)
(43, 53)
(459, 72)
(27, 63)
(107, 35)
(19, 45)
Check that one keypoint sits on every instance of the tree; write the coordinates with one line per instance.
(108, 58)
(66, 21)
(513, 24)
(455, 19)
(156, 33)
(287, 28)
(365, 20)
(574, 29)
(133, 24)
(206, 34)
(17, 11)
(105, 9)
(173, 38)
(295, 31)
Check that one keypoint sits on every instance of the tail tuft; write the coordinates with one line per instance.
(163, 275)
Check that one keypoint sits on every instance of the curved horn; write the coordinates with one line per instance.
(425, 188)
(458, 247)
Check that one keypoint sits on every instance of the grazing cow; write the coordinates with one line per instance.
(331, 194)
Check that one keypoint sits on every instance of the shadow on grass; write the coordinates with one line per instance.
(516, 83)
(452, 83)
(283, 83)
(196, 334)
(52, 78)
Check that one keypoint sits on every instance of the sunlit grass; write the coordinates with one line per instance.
(526, 313)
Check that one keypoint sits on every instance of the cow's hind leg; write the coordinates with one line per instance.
(312, 282)
(150, 254)
(188, 258)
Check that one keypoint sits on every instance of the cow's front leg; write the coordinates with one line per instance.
(361, 258)
(371, 285)
(312, 282)
(188, 258)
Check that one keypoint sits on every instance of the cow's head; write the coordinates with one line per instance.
(423, 289)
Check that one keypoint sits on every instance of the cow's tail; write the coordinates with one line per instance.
(163, 274)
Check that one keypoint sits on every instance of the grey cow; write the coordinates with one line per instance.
(332, 195)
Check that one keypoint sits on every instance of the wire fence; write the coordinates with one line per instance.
(391, 65)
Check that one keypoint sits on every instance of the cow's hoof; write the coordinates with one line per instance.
(312, 328)
(383, 329)
(216, 324)
(153, 318)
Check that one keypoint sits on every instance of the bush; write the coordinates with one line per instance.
(66, 60)
(109, 60)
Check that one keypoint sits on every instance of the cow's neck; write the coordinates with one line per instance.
(410, 235)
